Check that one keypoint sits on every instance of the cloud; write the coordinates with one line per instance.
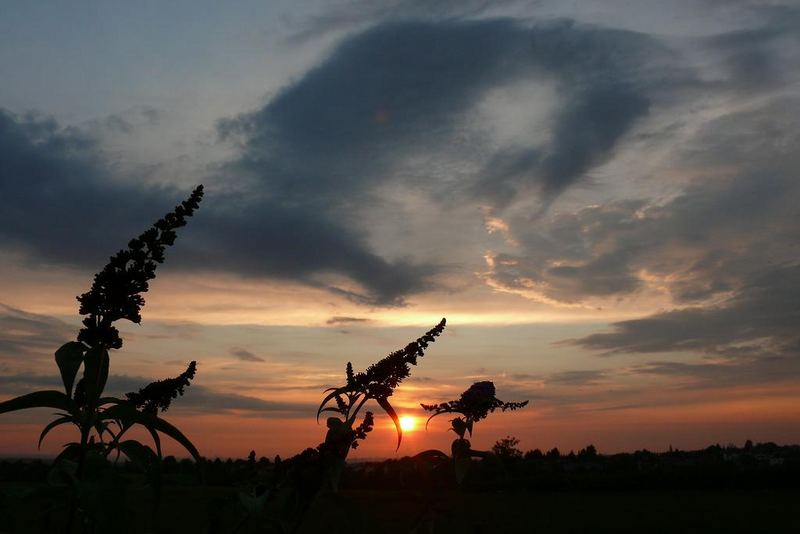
(760, 319)
(246, 355)
(339, 320)
(197, 399)
(577, 378)
(57, 186)
(314, 163)
(405, 87)
(702, 244)
(23, 333)
(60, 201)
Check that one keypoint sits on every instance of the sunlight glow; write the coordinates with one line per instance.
(408, 423)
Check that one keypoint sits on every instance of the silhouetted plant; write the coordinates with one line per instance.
(476, 403)
(116, 293)
(298, 480)
(377, 383)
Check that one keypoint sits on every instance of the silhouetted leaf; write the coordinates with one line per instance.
(389, 410)
(328, 397)
(138, 453)
(37, 399)
(51, 425)
(71, 451)
(434, 415)
(156, 423)
(95, 373)
(69, 358)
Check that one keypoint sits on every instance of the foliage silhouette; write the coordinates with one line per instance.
(116, 293)
(474, 404)
(377, 382)
(300, 481)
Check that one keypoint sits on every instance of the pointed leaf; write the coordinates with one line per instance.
(156, 441)
(69, 358)
(37, 399)
(434, 415)
(329, 396)
(71, 451)
(51, 425)
(389, 410)
(138, 453)
(156, 423)
(95, 373)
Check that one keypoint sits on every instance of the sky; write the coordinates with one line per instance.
(602, 198)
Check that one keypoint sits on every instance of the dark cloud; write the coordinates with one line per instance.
(338, 320)
(401, 88)
(346, 15)
(318, 151)
(706, 375)
(760, 319)
(59, 199)
(197, 399)
(23, 333)
(760, 58)
(704, 243)
(577, 378)
(62, 205)
(246, 355)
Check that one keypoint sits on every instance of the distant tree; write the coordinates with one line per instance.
(535, 454)
(748, 445)
(589, 453)
(554, 453)
(507, 447)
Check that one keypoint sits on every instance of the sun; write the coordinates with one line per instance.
(408, 423)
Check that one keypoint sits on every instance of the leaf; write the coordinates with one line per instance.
(389, 410)
(71, 451)
(141, 454)
(95, 373)
(69, 358)
(156, 441)
(37, 399)
(138, 453)
(129, 415)
(434, 415)
(328, 397)
(51, 425)
(166, 428)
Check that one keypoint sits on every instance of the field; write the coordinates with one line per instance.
(213, 509)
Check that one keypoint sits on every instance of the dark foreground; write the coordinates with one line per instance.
(751, 489)
(202, 510)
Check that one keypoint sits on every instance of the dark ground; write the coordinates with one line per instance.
(189, 509)
(718, 489)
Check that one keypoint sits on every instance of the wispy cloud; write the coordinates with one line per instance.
(246, 355)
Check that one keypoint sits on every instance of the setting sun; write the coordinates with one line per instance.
(408, 423)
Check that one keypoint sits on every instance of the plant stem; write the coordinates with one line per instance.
(85, 429)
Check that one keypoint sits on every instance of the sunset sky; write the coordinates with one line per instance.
(602, 198)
